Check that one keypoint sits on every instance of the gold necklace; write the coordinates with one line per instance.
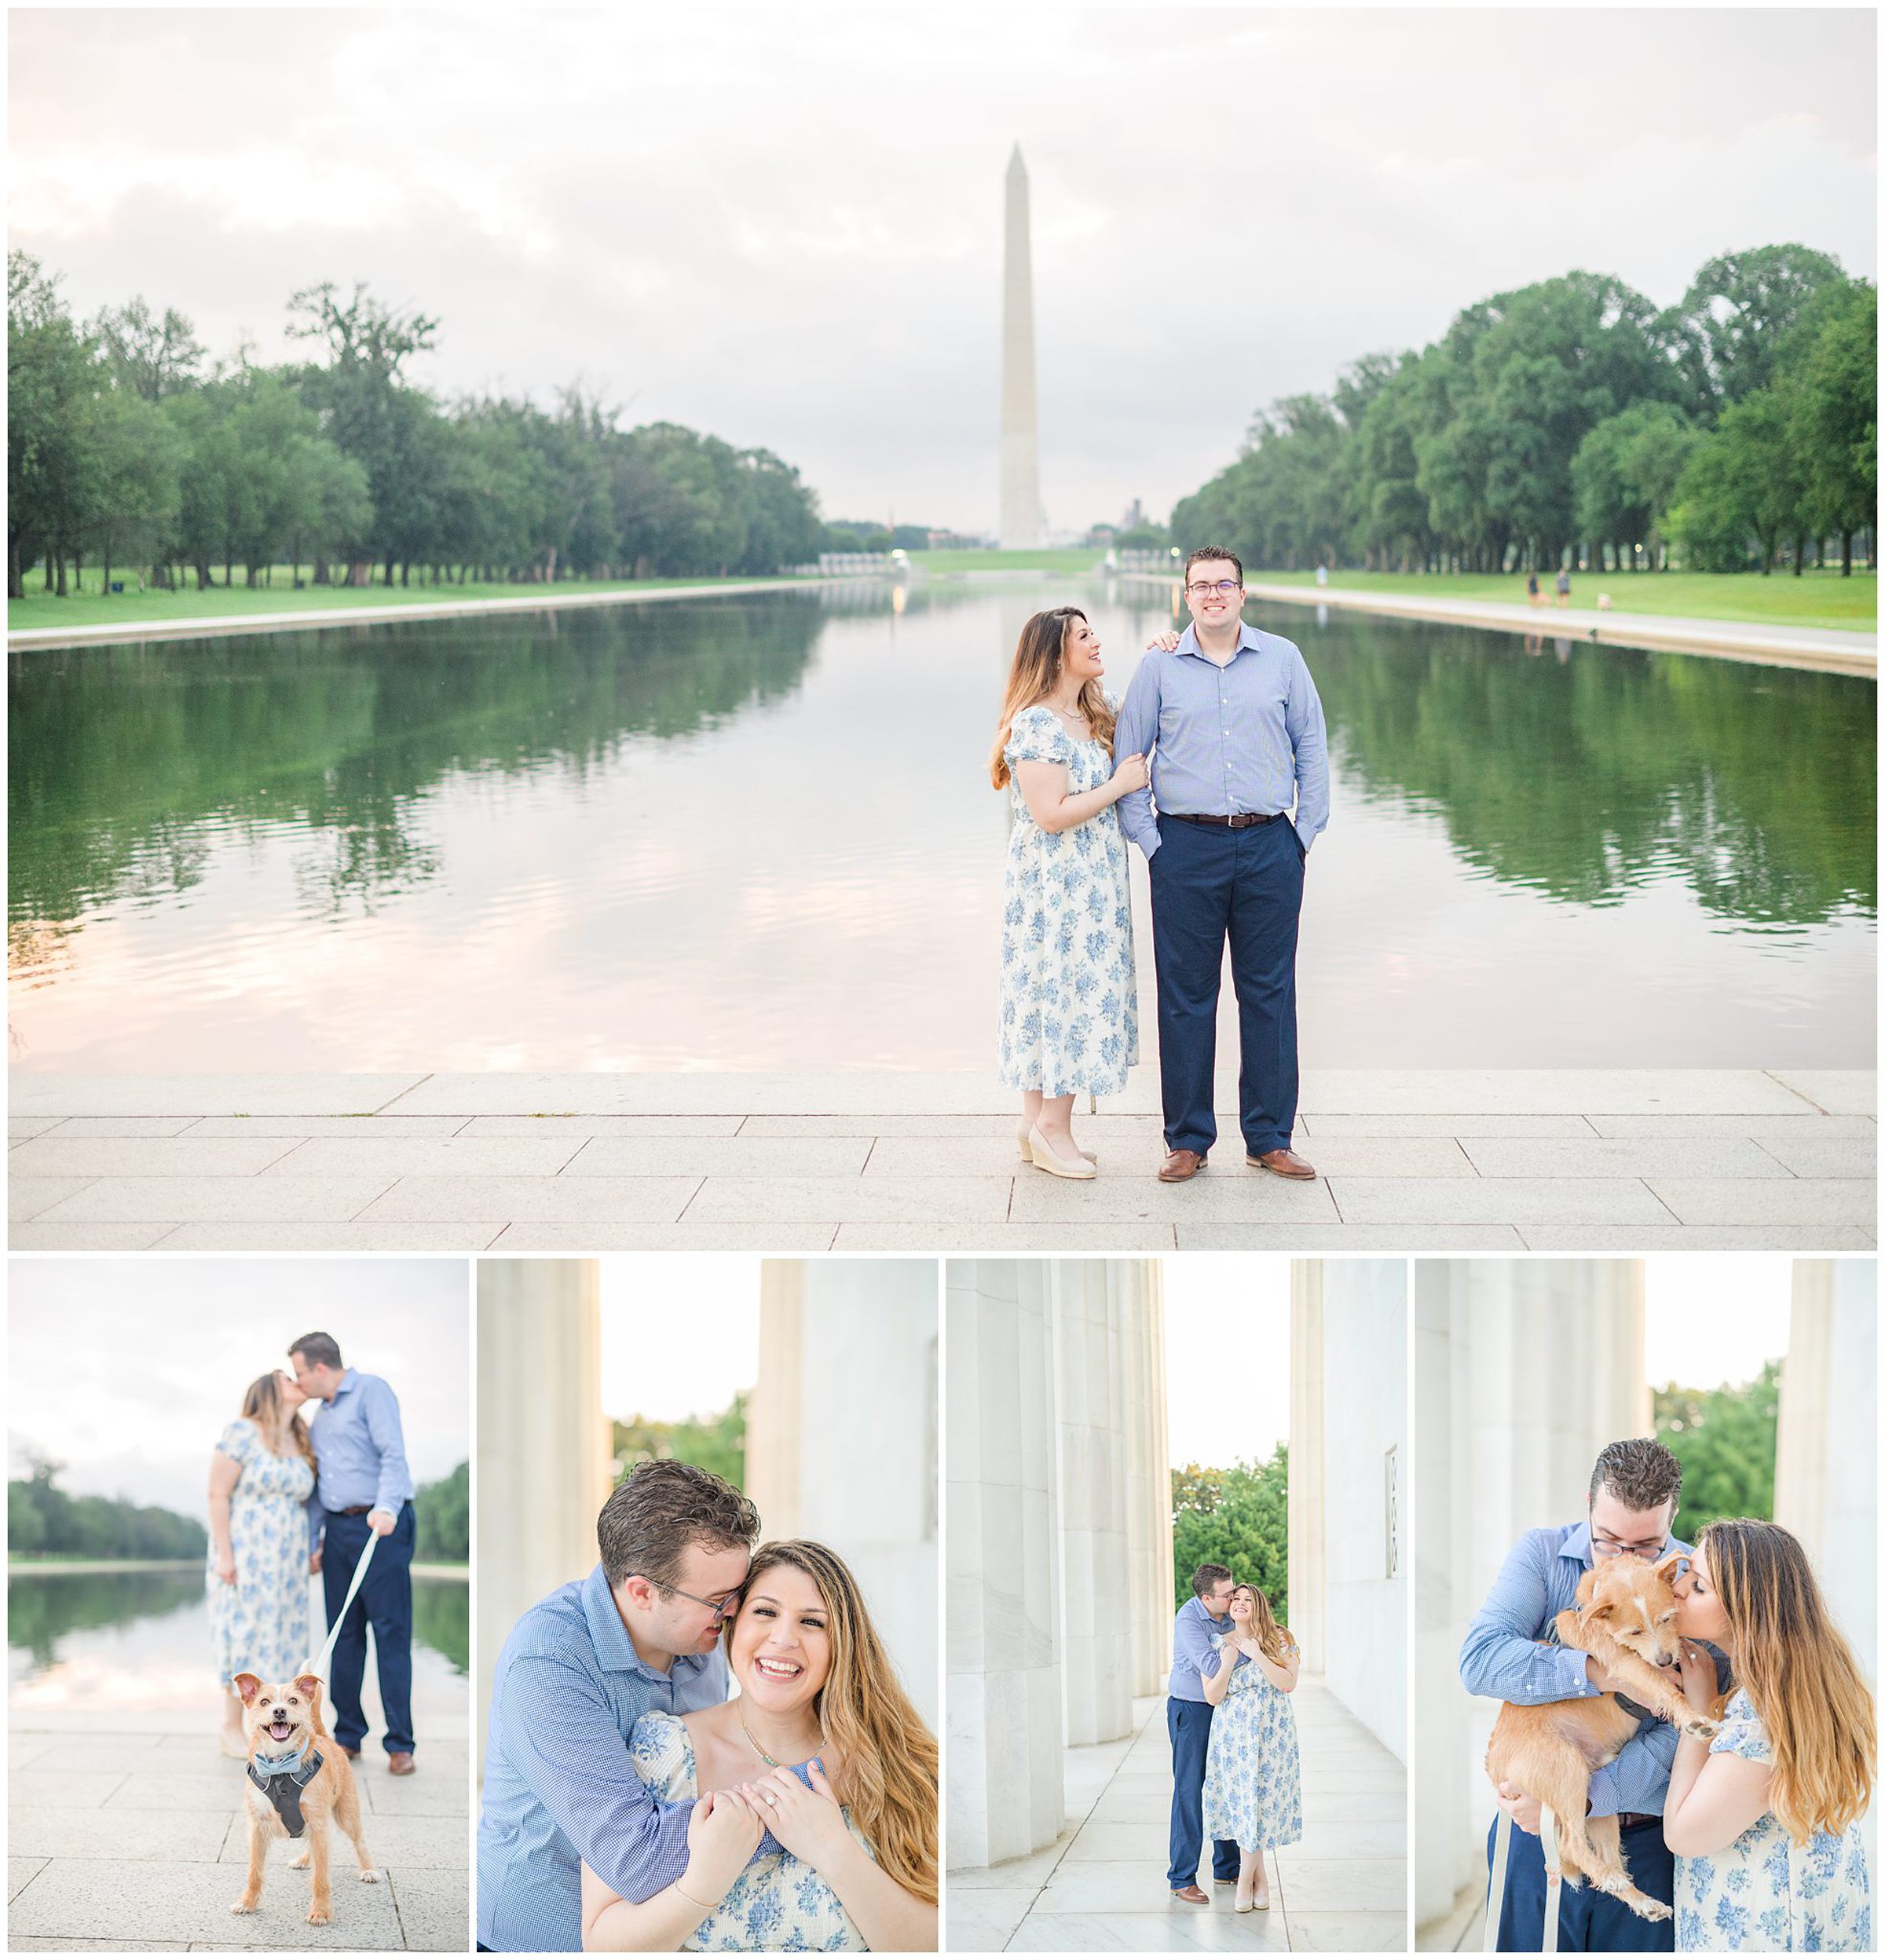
(771, 1762)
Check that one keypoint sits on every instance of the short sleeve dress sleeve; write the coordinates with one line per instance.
(1742, 1732)
(1037, 737)
(663, 1756)
(238, 1442)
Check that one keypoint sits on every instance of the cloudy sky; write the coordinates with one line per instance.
(785, 226)
(127, 1370)
(680, 1333)
(1226, 1389)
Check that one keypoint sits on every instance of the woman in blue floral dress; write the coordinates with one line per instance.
(1764, 1820)
(1252, 1769)
(1070, 1001)
(262, 1475)
(822, 1750)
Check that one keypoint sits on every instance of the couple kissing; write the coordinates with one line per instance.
(631, 1805)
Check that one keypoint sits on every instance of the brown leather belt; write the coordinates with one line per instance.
(1635, 1819)
(1242, 822)
(354, 1511)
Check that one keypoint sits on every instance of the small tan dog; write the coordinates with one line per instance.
(1625, 1620)
(296, 1788)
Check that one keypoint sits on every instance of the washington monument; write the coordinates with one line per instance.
(1020, 448)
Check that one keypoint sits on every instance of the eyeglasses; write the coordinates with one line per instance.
(1226, 586)
(1611, 1548)
(719, 1608)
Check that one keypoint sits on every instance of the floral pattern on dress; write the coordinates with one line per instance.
(1253, 1768)
(1070, 993)
(1764, 1893)
(778, 1903)
(260, 1624)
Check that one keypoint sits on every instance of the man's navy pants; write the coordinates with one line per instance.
(1188, 1724)
(384, 1601)
(1588, 1920)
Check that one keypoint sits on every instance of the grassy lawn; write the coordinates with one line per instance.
(92, 607)
(1815, 598)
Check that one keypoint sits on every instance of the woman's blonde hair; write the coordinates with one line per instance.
(1034, 675)
(1798, 1672)
(1277, 1642)
(283, 1433)
(888, 1763)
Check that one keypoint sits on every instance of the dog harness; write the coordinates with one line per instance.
(286, 1779)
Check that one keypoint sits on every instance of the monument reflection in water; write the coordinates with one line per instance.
(757, 833)
(140, 1638)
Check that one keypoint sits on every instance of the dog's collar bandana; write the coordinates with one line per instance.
(282, 1780)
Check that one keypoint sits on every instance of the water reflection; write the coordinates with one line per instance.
(757, 833)
(1587, 778)
(78, 1638)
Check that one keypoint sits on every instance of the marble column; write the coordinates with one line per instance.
(1307, 1485)
(841, 1436)
(1148, 1521)
(1826, 1481)
(1004, 1689)
(1348, 1463)
(1523, 1370)
(1088, 1306)
(543, 1441)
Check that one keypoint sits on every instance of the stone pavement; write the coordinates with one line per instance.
(1622, 1160)
(1101, 1887)
(125, 1832)
(1831, 650)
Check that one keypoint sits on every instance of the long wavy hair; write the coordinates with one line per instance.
(1277, 1642)
(1798, 1672)
(888, 1761)
(283, 1433)
(1034, 675)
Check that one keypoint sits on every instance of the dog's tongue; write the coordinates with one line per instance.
(281, 1730)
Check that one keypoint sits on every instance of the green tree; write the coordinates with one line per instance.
(151, 357)
(1237, 1518)
(1834, 407)
(1624, 475)
(49, 378)
(1743, 484)
(41, 1519)
(1724, 1440)
(444, 1511)
(715, 1443)
(1737, 316)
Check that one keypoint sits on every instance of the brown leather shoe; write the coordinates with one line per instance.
(400, 1763)
(352, 1755)
(1179, 1165)
(1281, 1164)
(1190, 1894)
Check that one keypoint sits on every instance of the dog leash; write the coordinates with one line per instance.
(319, 1664)
(1555, 1877)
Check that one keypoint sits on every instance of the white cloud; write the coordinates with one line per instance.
(785, 226)
(128, 1370)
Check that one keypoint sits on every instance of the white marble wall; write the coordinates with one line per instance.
(1359, 1311)
(842, 1435)
(543, 1442)
(1826, 1473)
(1060, 1536)
(1523, 1370)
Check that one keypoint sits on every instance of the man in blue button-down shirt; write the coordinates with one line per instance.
(363, 1488)
(1234, 729)
(1510, 1654)
(1187, 1722)
(579, 1669)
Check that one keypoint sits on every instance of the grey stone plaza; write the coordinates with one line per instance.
(1615, 1160)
